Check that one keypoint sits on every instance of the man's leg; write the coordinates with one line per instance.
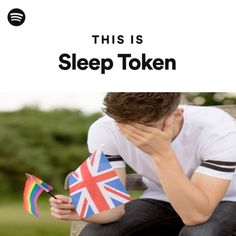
(142, 217)
(221, 223)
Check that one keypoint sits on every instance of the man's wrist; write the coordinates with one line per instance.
(165, 157)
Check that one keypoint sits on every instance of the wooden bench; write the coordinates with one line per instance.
(134, 181)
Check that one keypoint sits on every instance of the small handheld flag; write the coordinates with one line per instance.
(95, 187)
(33, 188)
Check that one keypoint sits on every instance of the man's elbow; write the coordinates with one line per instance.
(195, 219)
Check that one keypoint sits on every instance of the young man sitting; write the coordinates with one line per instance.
(187, 157)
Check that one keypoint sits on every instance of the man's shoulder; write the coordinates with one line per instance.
(103, 132)
(104, 120)
(204, 116)
(103, 123)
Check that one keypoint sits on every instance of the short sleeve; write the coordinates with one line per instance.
(218, 153)
(102, 133)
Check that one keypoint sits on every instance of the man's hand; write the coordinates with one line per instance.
(62, 208)
(150, 139)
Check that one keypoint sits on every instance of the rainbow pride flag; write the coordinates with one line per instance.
(33, 188)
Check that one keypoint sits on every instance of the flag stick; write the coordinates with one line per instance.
(52, 195)
(35, 180)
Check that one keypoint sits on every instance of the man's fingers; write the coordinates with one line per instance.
(56, 201)
(134, 138)
(128, 132)
(60, 199)
(133, 128)
(62, 203)
(60, 217)
(63, 198)
(62, 209)
(55, 210)
(63, 206)
(142, 127)
(141, 130)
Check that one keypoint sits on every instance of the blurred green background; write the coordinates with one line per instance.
(50, 144)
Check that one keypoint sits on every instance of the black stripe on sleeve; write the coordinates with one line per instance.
(114, 158)
(223, 163)
(217, 167)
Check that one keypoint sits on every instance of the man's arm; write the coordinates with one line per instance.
(194, 200)
(62, 209)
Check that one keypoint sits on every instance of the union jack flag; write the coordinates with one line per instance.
(95, 187)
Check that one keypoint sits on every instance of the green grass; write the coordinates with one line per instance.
(15, 222)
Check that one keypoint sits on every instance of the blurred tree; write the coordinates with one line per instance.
(209, 99)
(47, 144)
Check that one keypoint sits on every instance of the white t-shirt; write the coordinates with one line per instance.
(206, 144)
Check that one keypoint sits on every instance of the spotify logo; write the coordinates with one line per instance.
(16, 17)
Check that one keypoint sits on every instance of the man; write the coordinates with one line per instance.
(187, 156)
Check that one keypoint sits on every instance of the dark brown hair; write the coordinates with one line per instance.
(140, 107)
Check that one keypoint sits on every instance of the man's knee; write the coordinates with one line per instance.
(199, 230)
(89, 230)
(97, 230)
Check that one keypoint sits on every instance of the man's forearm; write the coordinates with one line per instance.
(107, 216)
(190, 202)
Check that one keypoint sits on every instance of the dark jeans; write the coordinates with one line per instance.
(149, 217)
